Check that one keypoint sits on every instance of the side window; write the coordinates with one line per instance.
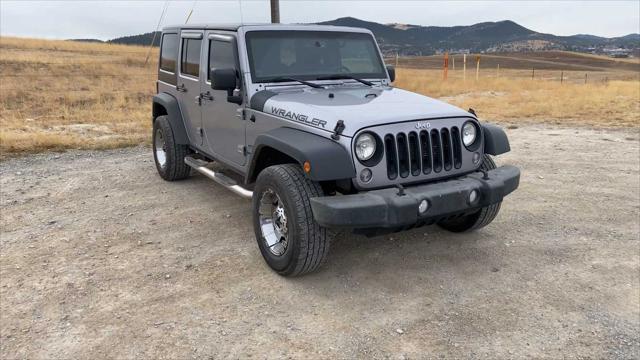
(221, 56)
(190, 61)
(169, 52)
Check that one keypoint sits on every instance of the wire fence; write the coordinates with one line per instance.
(502, 67)
(81, 51)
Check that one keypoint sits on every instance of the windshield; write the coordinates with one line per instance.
(309, 55)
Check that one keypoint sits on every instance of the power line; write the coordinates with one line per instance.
(155, 33)
(191, 11)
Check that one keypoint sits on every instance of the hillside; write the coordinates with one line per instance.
(483, 37)
(142, 39)
(501, 36)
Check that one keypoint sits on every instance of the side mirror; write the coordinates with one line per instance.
(392, 72)
(223, 79)
(226, 79)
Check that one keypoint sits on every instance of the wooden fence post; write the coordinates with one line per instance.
(585, 78)
(477, 67)
(533, 73)
(445, 66)
(464, 67)
(453, 62)
(561, 77)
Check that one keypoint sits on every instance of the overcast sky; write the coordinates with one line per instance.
(108, 19)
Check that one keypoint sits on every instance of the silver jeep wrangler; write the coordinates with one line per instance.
(305, 122)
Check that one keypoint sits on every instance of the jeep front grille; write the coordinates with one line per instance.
(423, 152)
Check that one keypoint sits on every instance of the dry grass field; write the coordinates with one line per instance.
(57, 95)
(512, 98)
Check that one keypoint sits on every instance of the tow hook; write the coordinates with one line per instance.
(485, 174)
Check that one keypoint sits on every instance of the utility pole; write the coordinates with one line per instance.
(275, 11)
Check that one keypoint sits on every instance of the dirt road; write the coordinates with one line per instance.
(100, 258)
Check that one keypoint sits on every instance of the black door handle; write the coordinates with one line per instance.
(206, 96)
(181, 88)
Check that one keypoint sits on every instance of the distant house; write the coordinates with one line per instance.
(617, 53)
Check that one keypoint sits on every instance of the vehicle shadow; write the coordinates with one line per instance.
(399, 262)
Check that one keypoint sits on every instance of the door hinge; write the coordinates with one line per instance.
(241, 114)
(242, 150)
(337, 131)
(201, 131)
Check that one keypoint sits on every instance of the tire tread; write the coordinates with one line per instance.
(176, 168)
(314, 240)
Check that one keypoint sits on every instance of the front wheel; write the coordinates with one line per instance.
(479, 219)
(290, 240)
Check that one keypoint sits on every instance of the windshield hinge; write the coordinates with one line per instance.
(337, 131)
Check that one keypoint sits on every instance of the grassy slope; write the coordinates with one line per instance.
(57, 95)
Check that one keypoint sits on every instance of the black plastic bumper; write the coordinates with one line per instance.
(386, 208)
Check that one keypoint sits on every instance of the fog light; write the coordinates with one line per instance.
(473, 196)
(476, 158)
(423, 206)
(365, 175)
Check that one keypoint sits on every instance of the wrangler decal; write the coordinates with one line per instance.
(297, 117)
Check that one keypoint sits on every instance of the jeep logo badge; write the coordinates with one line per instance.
(423, 125)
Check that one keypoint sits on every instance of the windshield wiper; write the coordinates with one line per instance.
(341, 77)
(285, 79)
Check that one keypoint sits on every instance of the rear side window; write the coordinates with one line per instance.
(190, 62)
(221, 55)
(169, 52)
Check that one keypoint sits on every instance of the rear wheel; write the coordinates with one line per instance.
(479, 219)
(289, 239)
(168, 155)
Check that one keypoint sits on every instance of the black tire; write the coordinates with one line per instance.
(479, 219)
(173, 167)
(307, 244)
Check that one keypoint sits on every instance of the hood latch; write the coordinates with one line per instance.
(337, 131)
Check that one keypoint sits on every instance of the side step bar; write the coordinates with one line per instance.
(201, 167)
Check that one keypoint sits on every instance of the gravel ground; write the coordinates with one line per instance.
(100, 258)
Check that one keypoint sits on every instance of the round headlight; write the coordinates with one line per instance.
(365, 147)
(469, 133)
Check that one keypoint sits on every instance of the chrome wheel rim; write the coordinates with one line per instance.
(160, 148)
(273, 223)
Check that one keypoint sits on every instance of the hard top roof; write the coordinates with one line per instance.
(235, 27)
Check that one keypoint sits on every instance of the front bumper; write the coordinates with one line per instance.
(386, 208)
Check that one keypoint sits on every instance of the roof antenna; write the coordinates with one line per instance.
(155, 33)
(190, 12)
(241, 16)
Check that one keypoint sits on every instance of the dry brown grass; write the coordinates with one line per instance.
(57, 95)
(515, 98)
